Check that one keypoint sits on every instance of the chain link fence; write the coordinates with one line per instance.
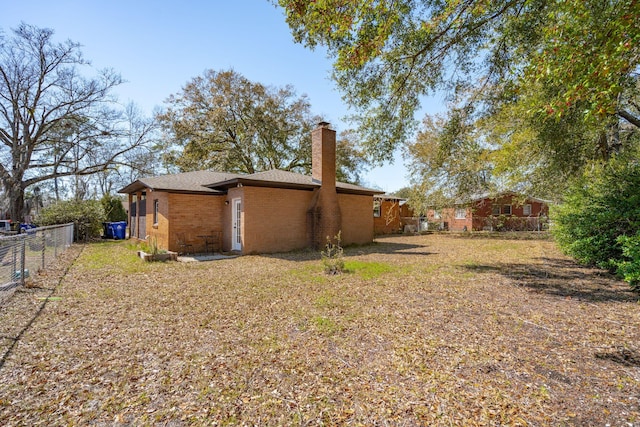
(23, 255)
(511, 223)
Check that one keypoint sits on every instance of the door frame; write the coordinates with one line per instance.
(236, 224)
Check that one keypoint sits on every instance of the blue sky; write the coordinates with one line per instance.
(157, 46)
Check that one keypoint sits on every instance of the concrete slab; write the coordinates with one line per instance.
(203, 257)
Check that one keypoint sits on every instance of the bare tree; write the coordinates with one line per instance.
(53, 119)
(140, 160)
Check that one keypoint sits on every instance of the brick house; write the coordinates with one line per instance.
(265, 212)
(505, 211)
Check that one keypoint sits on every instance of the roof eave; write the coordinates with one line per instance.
(261, 183)
(289, 185)
(138, 185)
(363, 191)
(133, 187)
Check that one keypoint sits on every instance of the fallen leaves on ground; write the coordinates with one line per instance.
(443, 329)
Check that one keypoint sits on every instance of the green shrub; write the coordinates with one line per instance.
(629, 266)
(113, 209)
(599, 212)
(87, 216)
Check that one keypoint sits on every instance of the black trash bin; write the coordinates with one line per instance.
(107, 230)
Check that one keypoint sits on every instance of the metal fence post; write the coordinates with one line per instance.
(22, 261)
(14, 255)
(44, 246)
(17, 264)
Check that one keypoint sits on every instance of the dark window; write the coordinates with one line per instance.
(156, 209)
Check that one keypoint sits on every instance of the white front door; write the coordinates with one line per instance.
(236, 233)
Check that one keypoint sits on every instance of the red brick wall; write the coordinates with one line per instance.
(194, 215)
(483, 209)
(276, 219)
(357, 218)
(449, 220)
(273, 220)
(191, 214)
(158, 231)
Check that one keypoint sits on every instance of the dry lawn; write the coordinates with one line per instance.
(425, 330)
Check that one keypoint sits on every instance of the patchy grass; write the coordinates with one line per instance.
(425, 330)
(368, 270)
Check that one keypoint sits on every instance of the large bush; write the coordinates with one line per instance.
(629, 266)
(599, 213)
(87, 216)
(113, 209)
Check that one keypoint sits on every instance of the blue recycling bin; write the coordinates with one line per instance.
(119, 229)
(115, 230)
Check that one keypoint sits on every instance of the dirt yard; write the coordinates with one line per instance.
(422, 330)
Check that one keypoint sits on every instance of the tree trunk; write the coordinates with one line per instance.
(16, 202)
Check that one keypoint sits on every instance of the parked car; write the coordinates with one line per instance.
(5, 226)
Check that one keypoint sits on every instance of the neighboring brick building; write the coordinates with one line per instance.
(387, 215)
(272, 211)
(505, 211)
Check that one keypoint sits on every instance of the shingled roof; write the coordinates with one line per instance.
(284, 179)
(218, 182)
(187, 182)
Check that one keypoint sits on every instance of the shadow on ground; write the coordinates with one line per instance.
(502, 235)
(623, 356)
(563, 278)
(356, 250)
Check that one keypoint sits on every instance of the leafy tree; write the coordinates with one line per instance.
(223, 121)
(552, 57)
(54, 121)
(351, 160)
(404, 192)
(449, 159)
(599, 222)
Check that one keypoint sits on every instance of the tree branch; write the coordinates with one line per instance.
(629, 118)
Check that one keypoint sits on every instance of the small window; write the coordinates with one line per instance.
(506, 209)
(526, 210)
(156, 209)
(436, 215)
(461, 213)
(495, 210)
(377, 210)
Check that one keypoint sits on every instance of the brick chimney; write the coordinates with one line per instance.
(323, 155)
(324, 217)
